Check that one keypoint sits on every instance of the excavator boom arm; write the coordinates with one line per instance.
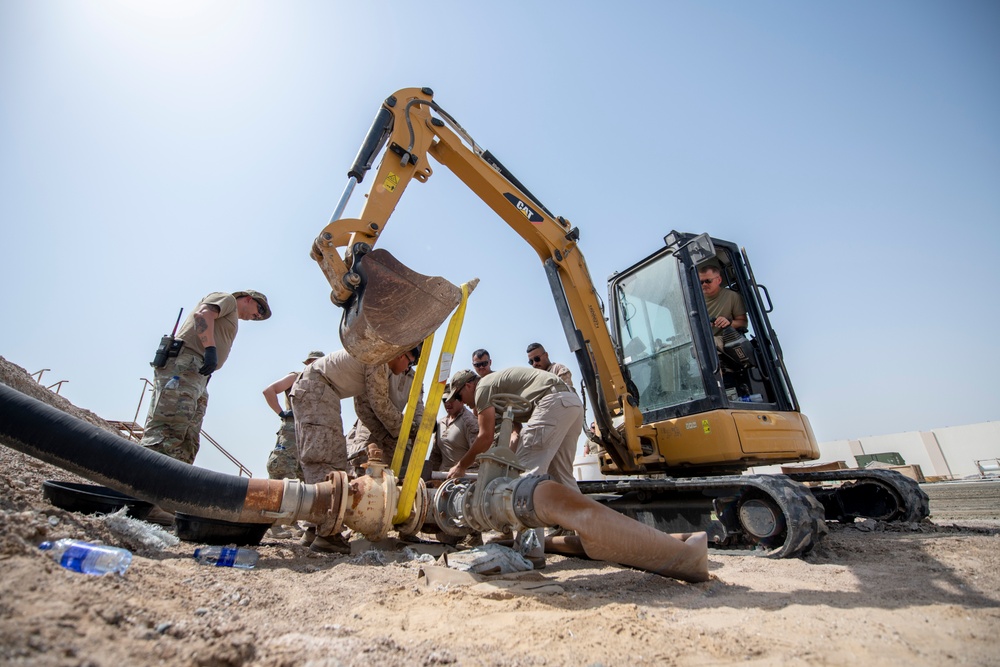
(408, 130)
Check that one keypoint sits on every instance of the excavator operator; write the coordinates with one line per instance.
(725, 307)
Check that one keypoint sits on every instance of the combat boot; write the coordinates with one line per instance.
(331, 544)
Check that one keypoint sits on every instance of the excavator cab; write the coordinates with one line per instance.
(660, 324)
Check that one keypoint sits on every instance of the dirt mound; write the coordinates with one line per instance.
(16, 377)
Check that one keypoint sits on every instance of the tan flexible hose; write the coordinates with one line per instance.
(607, 535)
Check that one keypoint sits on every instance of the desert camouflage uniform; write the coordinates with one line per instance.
(173, 425)
(380, 414)
(319, 427)
(283, 461)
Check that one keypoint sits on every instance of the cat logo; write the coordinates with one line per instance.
(525, 210)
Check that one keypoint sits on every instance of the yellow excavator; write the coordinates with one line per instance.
(677, 419)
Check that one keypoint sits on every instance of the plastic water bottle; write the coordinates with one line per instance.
(173, 382)
(88, 558)
(244, 559)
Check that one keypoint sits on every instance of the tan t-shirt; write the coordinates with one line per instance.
(226, 326)
(530, 384)
(455, 437)
(726, 303)
(342, 371)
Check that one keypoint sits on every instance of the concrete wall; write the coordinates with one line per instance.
(963, 445)
(942, 452)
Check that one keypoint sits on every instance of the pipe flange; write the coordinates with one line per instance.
(447, 509)
(339, 493)
(524, 504)
(418, 514)
(496, 508)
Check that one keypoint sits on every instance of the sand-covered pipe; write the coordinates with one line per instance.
(43, 432)
(607, 535)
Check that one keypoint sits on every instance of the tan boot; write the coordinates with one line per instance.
(279, 532)
(331, 544)
(537, 562)
(308, 537)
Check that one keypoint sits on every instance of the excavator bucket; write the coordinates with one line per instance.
(393, 309)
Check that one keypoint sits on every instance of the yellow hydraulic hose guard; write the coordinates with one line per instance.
(423, 439)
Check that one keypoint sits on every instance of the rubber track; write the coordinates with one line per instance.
(803, 514)
(915, 504)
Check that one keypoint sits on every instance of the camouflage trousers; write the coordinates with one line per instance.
(319, 429)
(283, 462)
(173, 424)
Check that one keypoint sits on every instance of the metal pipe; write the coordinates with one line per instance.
(607, 535)
(366, 504)
(506, 503)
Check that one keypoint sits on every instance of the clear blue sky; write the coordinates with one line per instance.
(151, 152)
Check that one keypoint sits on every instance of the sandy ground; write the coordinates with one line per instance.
(868, 594)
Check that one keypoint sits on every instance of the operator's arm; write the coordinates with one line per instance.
(487, 420)
(736, 312)
(272, 390)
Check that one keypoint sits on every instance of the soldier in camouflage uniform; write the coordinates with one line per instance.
(319, 427)
(380, 416)
(180, 388)
(283, 462)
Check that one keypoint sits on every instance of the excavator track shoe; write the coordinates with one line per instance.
(884, 495)
(393, 309)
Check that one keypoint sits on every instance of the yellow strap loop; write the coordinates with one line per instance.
(423, 440)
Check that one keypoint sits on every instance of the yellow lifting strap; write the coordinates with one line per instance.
(423, 439)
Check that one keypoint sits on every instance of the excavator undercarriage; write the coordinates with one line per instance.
(776, 516)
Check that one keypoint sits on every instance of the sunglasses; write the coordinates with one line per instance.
(481, 364)
(534, 360)
(410, 362)
(708, 282)
(260, 310)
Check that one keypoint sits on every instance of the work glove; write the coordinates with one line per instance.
(211, 361)
(286, 414)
